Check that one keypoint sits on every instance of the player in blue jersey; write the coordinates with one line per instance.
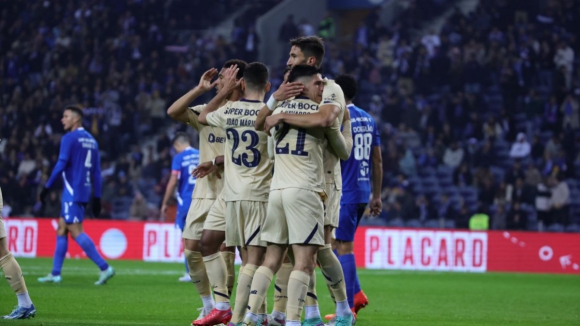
(183, 163)
(363, 167)
(79, 165)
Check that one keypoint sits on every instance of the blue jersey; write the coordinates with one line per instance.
(79, 165)
(356, 183)
(182, 165)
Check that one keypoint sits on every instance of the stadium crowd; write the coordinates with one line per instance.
(480, 117)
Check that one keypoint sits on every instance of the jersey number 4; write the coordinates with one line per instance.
(247, 136)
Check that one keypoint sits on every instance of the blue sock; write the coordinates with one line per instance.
(357, 288)
(59, 254)
(349, 268)
(186, 266)
(89, 248)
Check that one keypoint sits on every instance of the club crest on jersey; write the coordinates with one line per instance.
(364, 169)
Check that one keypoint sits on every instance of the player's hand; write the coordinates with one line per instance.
(288, 90)
(96, 207)
(205, 83)
(271, 122)
(43, 195)
(376, 206)
(346, 116)
(163, 212)
(205, 169)
(229, 81)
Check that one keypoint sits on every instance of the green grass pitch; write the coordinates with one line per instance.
(149, 294)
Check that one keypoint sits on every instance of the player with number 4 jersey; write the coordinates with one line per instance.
(79, 166)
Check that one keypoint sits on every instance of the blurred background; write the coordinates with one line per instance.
(477, 100)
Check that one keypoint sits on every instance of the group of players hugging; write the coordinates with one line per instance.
(286, 181)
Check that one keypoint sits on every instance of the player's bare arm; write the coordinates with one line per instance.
(230, 83)
(285, 92)
(324, 118)
(376, 205)
(209, 167)
(178, 110)
(169, 191)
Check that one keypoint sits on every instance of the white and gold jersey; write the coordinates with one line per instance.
(248, 168)
(298, 151)
(333, 94)
(211, 144)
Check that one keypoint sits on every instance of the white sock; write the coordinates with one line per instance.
(252, 316)
(222, 306)
(292, 323)
(24, 300)
(208, 303)
(278, 315)
(312, 312)
(343, 309)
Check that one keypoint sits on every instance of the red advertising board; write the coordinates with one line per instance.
(375, 248)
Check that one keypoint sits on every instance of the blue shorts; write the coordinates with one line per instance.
(350, 216)
(182, 214)
(72, 212)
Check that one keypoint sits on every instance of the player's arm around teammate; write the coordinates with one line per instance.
(284, 92)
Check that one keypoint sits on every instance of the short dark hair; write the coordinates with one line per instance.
(302, 71)
(76, 109)
(348, 85)
(311, 46)
(180, 137)
(256, 76)
(241, 66)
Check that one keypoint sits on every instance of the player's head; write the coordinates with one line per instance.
(310, 77)
(348, 85)
(306, 50)
(180, 141)
(256, 78)
(72, 117)
(241, 64)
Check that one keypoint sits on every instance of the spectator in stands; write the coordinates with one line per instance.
(499, 218)
(453, 155)
(521, 148)
(521, 192)
(516, 172)
(532, 176)
(537, 149)
(462, 176)
(559, 200)
(445, 209)
(326, 28)
(428, 159)
(407, 163)
(543, 196)
(431, 41)
(139, 209)
(571, 113)
(516, 219)
(424, 210)
(305, 28)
